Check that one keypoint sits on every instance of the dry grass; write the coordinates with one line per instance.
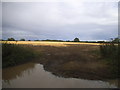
(70, 59)
(47, 43)
(79, 61)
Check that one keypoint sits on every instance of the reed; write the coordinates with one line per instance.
(110, 53)
(13, 54)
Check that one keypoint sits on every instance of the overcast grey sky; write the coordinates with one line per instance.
(60, 20)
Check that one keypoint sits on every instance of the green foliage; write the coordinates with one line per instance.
(11, 39)
(100, 41)
(22, 39)
(116, 40)
(76, 40)
(13, 54)
(110, 53)
(53, 40)
(109, 50)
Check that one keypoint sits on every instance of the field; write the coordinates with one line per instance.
(47, 43)
(78, 61)
(70, 59)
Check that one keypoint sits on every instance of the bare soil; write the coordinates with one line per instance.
(77, 61)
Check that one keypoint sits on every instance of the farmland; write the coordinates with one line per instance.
(68, 59)
(47, 43)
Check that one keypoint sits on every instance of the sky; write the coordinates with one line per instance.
(64, 20)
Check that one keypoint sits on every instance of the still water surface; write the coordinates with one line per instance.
(33, 75)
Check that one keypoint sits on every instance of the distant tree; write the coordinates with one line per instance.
(101, 41)
(116, 40)
(76, 40)
(11, 39)
(68, 41)
(36, 40)
(22, 39)
(29, 40)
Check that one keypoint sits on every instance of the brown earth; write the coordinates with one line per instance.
(77, 61)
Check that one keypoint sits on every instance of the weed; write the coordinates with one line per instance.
(13, 54)
(110, 52)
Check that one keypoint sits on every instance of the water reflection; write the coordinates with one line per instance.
(32, 75)
(17, 71)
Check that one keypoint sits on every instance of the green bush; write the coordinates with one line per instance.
(110, 53)
(109, 50)
(76, 40)
(13, 54)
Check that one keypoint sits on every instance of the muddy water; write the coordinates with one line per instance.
(33, 75)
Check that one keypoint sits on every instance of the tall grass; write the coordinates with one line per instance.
(13, 54)
(110, 53)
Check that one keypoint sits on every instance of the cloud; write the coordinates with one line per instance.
(60, 20)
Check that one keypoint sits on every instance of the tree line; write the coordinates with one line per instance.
(22, 39)
(114, 40)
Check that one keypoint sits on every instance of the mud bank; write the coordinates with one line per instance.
(74, 61)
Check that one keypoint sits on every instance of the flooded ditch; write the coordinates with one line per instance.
(33, 75)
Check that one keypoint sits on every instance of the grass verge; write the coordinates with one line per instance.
(13, 54)
(110, 53)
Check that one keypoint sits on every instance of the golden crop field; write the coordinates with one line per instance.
(48, 43)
